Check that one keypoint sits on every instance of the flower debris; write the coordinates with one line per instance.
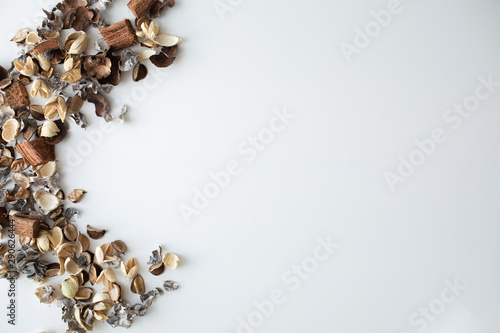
(64, 74)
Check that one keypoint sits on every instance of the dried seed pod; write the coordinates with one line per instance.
(171, 260)
(104, 254)
(119, 246)
(167, 40)
(83, 243)
(55, 106)
(37, 112)
(20, 36)
(146, 54)
(72, 76)
(84, 294)
(53, 270)
(86, 258)
(81, 316)
(71, 267)
(46, 171)
(130, 269)
(75, 196)
(101, 297)
(22, 180)
(32, 38)
(137, 286)
(67, 250)
(69, 287)
(40, 87)
(70, 232)
(60, 222)
(115, 292)
(43, 241)
(94, 273)
(76, 42)
(49, 129)
(57, 237)
(140, 72)
(10, 130)
(95, 234)
(157, 269)
(27, 69)
(46, 200)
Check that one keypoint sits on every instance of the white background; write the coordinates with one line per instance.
(321, 177)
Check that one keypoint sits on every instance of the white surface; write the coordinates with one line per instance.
(322, 176)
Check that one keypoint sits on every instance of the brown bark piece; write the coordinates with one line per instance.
(47, 45)
(36, 152)
(119, 35)
(140, 7)
(17, 96)
(27, 225)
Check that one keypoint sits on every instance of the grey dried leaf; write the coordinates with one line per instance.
(128, 61)
(170, 285)
(155, 257)
(45, 294)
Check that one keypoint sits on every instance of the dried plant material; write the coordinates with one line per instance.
(115, 292)
(98, 66)
(22, 180)
(119, 246)
(83, 242)
(69, 287)
(75, 196)
(57, 237)
(16, 96)
(44, 63)
(71, 267)
(159, 6)
(84, 294)
(105, 254)
(67, 250)
(46, 200)
(43, 241)
(94, 272)
(63, 131)
(171, 260)
(140, 7)
(170, 285)
(19, 165)
(76, 103)
(20, 36)
(140, 72)
(94, 233)
(76, 42)
(32, 38)
(45, 171)
(70, 232)
(48, 44)
(37, 112)
(72, 76)
(119, 35)
(55, 106)
(36, 152)
(130, 269)
(137, 286)
(10, 130)
(49, 129)
(146, 54)
(101, 104)
(45, 294)
(40, 87)
(27, 225)
(28, 69)
(167, 40)
(157, 269)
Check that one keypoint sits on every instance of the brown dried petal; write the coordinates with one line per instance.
(100, 102)
(157, 269)
(161, 60)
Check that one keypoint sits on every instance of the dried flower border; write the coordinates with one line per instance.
(29, 133)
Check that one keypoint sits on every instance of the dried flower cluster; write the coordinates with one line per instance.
(64, 75)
